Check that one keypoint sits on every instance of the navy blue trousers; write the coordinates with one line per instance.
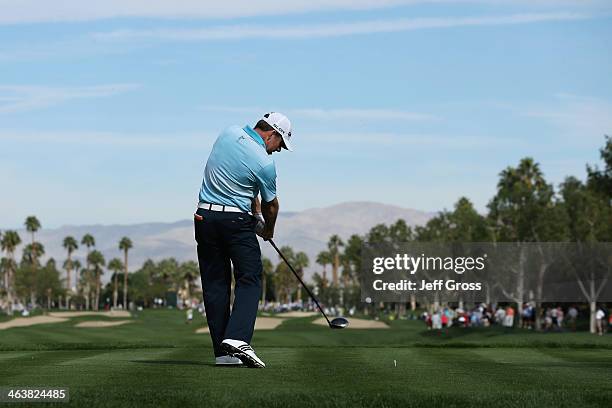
(225, 239)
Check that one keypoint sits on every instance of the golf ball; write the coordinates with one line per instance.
(368, 299)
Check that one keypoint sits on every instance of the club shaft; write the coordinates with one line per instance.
(301, 281)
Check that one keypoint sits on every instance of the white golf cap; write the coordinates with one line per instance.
(282, 125)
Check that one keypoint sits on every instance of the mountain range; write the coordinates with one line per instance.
(306, 231)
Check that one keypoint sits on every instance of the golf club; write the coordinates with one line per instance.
(338, 322)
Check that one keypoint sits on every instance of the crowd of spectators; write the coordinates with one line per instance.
(553, 318)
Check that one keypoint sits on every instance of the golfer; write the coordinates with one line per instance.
(229, 214)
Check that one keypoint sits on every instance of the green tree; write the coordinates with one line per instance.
(70, 245)
(268, 270)
(31, 254)
(437, 229)
(140, 287)
(352, 257)
(9, 242)
(589, 216)
(333, 245)
(400, 232)
(78, 297)
(588, 212)
(522, 198)
(317, 278)
(28, 270)
(324, 258)
(600, 181)
(283, 278)
(300, 262)
(96, 261)
(89, 241)
(168, 272)
(49, 282)
(125, 245)
(465, 224)
(148, 282)
(189, 272)
(32, 226)
(5, 268)
(115, 265)
(523, 210)
(351, 267)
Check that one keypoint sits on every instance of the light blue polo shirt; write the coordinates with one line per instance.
(238, 169)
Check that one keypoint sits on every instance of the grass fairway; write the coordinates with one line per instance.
(158, 361)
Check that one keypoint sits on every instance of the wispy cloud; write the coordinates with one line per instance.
(362, 115)
(108, 139)
(353, 140)
(364, 141)
(28, 11)
(32, 11)
(19, 98)
(582, 117)
(237, 32)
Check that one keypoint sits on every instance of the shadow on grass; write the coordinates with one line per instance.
(172, 362)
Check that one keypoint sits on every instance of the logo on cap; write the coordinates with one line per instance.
(279, 129)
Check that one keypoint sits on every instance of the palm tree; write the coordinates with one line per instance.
(334, 245)
(70, 244)
(301, 262)
(97, 262)
(115, 265)
(283, 277)
(6, 266)
(324, 258)
(32, 225)
(347, 272)
(77, 269)
(30, 254)
(89, 241)
(4, 270)
(188, 272)
(10, 241)
(268, 269)
(125, 245)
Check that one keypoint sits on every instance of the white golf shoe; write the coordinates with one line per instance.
(227, 361)
(243, 351)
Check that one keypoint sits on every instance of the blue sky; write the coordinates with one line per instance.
(108, 109)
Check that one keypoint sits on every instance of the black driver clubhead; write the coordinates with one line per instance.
(338, 323)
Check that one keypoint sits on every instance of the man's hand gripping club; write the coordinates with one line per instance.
(265, 213)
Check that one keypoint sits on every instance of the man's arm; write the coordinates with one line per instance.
(255, 206)
(270, 212)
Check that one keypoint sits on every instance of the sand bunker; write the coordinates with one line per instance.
(30, 321)
(112, 313)
(297, 313)
(262, 323)
(103, 324)
(357, 323)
